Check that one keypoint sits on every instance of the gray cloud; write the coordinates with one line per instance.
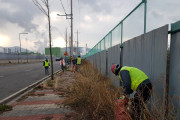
(22, 13)
(97, 6)
(26, 10)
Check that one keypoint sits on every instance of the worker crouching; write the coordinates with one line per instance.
(132, 80)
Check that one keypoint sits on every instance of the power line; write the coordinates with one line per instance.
(68, 4)
(64, 10)
(62, 6)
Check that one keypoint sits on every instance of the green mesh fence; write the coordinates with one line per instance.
(161, 12)
(132, 25)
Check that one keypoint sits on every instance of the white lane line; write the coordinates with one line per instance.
(28, 70)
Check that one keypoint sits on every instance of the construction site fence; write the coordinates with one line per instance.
(148, 52)
(146, 16)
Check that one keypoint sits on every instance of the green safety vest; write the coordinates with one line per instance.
(136, 75)
(46, 63)
(78, 60)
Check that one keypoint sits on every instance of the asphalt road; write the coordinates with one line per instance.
(15, 77)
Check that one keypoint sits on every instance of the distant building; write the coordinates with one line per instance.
(5, 50)
(9, 50)
(56, 51)
(1, 50)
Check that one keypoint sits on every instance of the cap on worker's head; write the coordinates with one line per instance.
(114, 68)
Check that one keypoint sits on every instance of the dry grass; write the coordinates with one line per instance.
(58, 82)
(48, 84)
(92, 95)
(53, 84)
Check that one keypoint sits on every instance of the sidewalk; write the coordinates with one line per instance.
(42, 104)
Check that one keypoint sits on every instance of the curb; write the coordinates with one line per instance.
(18, 93)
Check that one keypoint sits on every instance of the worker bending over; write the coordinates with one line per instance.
(134, 79)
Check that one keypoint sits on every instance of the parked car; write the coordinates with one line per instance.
(57, 59)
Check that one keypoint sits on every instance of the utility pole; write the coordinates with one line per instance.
(66, 44)
(71, 54)
(77, 43)
(70, 42)
(66, 39)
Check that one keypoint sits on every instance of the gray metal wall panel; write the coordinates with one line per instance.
(103, 62)
(91, 59)
(113, 58)
(148, 53)
(174, 83)
(94, 63)
(87, 58)
(97, 61)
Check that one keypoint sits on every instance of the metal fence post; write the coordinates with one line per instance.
(145, 13)
(111, 39)
(121, 47)
(106, 63)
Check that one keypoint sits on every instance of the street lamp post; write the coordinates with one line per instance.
(20, 43)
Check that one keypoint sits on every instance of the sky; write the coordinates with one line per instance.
(92, 18)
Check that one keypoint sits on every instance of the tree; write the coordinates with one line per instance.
(43, 5)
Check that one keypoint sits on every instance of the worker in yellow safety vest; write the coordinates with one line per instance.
(46, 65)
(78, 62)
(133, 79)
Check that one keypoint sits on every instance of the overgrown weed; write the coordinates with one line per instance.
(92, 95)
(58, 82)
(48, 84)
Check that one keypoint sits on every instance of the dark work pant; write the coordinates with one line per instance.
(140, 99)
(77, 67)
(62, 67)
(46, 70)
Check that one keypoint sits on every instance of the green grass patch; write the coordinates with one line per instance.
(4, 108)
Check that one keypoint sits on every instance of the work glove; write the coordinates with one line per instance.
(121, 97)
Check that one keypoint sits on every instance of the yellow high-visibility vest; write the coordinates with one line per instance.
(46, 63)
(137, 76)
(78, 61)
